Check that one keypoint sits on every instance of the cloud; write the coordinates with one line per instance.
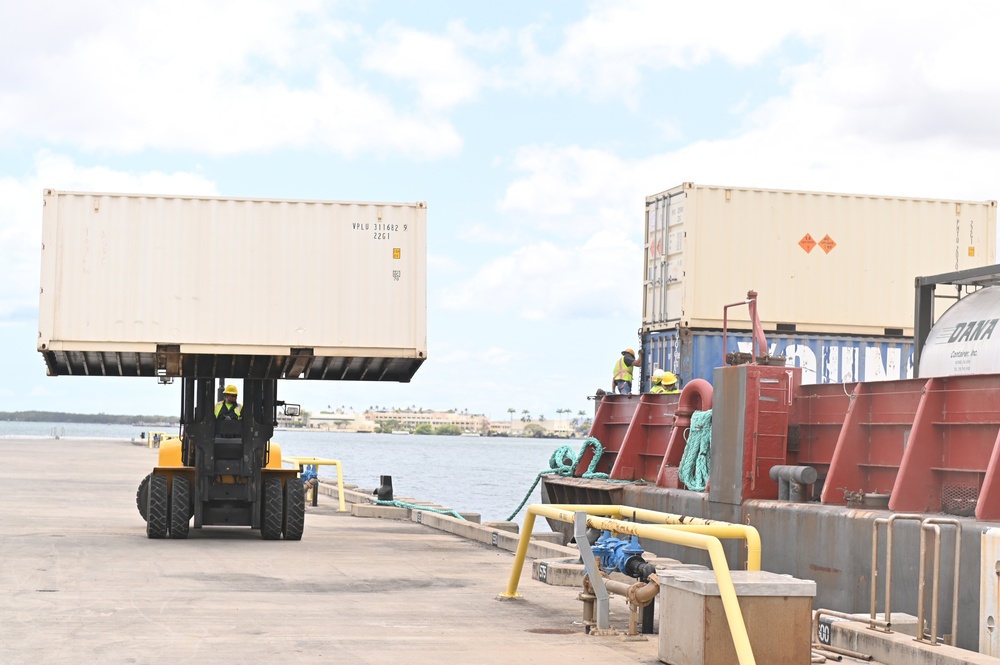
(218, 78)
(608, 52)
(546, 280)
(558, 181)
(434, 64)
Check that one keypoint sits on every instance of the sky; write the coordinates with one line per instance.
(533, 130)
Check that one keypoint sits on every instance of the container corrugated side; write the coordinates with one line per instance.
(336, 289)
(828, 263)
(694, 354)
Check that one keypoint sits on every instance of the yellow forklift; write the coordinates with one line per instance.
(224, 472)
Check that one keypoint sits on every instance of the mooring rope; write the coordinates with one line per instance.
(563, 462)
(695, 462)
(413, 506)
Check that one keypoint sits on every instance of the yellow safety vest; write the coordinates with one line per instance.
(238, 409)
(658, 389)
(622, 371)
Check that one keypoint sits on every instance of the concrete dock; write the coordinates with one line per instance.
(81, 583)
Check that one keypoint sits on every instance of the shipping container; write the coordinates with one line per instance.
(694, 354)
(204, 286)
(826, 263)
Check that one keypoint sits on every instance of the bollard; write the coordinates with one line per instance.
(793, 481)
(384, 492)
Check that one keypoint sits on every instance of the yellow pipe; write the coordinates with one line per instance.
(318, 461)
(711, 544)
(715, 528)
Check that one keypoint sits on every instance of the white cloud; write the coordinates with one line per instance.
(485, 233)
(561, 181)
(434, 64)
(554, 281)
(217, 78)
(606, 53)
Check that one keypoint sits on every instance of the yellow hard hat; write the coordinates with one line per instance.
(628, 351)
(230, 390)
(668, 378)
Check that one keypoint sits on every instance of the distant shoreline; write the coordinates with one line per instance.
(87, 418)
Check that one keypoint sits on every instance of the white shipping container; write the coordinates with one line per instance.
(826, 263)
(203, 286)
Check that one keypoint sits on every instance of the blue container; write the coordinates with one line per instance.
(694, 354)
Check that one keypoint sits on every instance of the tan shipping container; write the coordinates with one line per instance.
(204, 286)
(820, 262)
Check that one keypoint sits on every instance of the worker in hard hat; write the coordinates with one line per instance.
(228, 408)
(657, 382)
(669, 383)
(621, 381)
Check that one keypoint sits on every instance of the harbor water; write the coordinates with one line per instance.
(486, 475)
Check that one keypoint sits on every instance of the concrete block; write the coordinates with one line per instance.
(901, 623)
(901, 648)
(548, 537)
(510, 527)
(694, 630)
(558, 572)
(386, 512)
(471, 517)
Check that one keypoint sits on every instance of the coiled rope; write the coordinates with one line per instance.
(563, 462)
(695, 462)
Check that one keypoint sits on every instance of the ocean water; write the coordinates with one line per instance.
(486, 475)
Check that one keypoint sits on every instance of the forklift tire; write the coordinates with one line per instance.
(180, 507)
(142, 496)
(295, 509)
(270, 523)
(157, 508)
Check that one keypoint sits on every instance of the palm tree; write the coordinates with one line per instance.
(511, 411)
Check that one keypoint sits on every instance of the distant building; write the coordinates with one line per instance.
(339, 421)
(408, 419)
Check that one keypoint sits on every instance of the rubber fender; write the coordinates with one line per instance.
(273, 455)
(170, 452)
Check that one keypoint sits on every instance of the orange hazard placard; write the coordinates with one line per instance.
(827, 244)
(807, 243)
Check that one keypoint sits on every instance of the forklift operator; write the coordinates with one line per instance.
(228, 408)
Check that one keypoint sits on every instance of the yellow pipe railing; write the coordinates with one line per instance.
(696, 524)
(667, 533)
(317, 461)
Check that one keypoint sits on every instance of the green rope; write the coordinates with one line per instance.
(695, 466)
(412, 506)
(563, 462)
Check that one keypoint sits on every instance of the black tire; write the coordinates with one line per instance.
(142, 496)
(295, 509)
(157, 508)
(272, 512)
(180, 507)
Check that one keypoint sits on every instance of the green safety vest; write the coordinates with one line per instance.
(238, 409)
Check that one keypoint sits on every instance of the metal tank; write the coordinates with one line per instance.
(966, 339)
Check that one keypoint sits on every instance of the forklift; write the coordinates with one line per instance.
(225, 472)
